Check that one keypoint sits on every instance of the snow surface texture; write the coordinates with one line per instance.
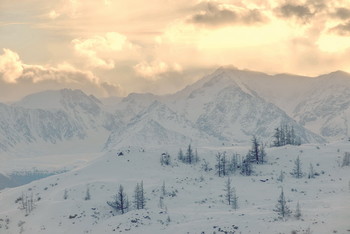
(67, 130)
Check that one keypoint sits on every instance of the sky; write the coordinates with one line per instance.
(115, 47)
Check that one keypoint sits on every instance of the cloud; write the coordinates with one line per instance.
(298, 11)
(342, 13)
(151, 71)
(215, 14)
(18, 78)
(342, 29)
(10, 66)
(96, 50)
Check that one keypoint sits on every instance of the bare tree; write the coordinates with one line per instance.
(27, 203)
(121, 202)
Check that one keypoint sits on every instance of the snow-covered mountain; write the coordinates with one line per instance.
(321, 104)
(224, 107)
(52, 117)
(227, 106)
(326, 106)
(159, 125)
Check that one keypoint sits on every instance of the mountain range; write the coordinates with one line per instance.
(226, 107)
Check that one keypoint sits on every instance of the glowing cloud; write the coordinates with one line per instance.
(151, 70)
(10, 66)
(97, 48)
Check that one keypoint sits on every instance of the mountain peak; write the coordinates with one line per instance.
(57, 99)
(339, 73)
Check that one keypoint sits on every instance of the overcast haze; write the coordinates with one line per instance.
(114, 47)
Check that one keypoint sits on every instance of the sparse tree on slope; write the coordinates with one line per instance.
(65, 194)
(189, 155)
(121, 202)
(165, 159)
(255, 152)
(142, 196)
(298, 212)
(234, 164)
(346, 159)
(228, 190)
(282, 209)
(163, 190)
(262, 154)
(247, 168)
(87, 195)
(280, 178)
(196, 157)
(234, 199)
(285, 135)
(221, 164)
(297, 172)
(311, 172)
(181, 156)
(139, 196)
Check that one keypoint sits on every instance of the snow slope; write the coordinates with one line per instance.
(194, 201)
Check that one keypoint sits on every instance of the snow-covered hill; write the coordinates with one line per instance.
(194, 200)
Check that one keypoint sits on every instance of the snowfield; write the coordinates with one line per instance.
(195, 199)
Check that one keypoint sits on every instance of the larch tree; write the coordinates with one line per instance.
(228, 191)
(180, 155)
(282, 209)
(189, 155)
(139, 197)
(234, 201)
(297, 171)
(121, 202)
(298, 212)
(87, 194)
